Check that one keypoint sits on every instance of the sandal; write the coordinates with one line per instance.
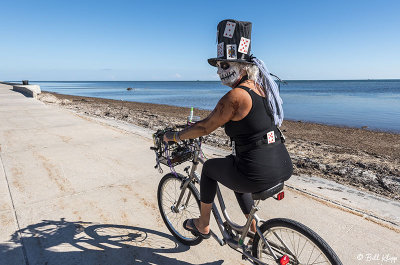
(193, 229)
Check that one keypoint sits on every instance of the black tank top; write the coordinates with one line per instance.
(257, 123)
(269, 164)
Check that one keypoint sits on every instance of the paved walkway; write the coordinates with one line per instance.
(68, 184)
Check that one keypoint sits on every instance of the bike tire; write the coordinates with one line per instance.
(167, 195)
(287, 229)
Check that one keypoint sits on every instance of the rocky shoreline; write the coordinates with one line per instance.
(367, 160)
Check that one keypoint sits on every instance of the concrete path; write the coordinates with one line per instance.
(69, 184)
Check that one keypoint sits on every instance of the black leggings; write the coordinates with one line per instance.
(224, 171)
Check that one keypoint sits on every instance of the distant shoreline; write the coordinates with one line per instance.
(208, 110)
(354, 103)
(217, 80)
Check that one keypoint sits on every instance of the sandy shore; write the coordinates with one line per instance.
(368, 160)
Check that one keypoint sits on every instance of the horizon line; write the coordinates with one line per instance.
(369, 79)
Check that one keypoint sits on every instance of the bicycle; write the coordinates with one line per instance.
(276, 241)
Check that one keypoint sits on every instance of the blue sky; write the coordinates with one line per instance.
(172, 40)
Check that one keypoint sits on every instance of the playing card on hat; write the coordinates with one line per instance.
(271, 137)
(220, 50)
(244, 45)
(229, 29)
(231, 53)
(232, 35)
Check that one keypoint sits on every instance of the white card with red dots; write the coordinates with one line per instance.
(271, 137)
(229, 29)
(244, 45)
(220, 50)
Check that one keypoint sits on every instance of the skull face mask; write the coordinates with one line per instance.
(229, 73)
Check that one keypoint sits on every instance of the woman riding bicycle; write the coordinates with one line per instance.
(251, 113)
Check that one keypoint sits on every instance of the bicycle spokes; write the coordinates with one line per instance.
(173, 213)
(292, 244)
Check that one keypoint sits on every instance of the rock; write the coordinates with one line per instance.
(65, 102)
(368, 175)
(48, 98)
(383, 183)
(322, 167)
(356, 172)
(361, 165)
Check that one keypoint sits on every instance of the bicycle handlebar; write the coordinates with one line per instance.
(160, 135)
(174, 153)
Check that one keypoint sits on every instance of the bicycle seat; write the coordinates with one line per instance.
(262, 195)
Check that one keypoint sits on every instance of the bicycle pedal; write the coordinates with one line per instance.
(186, 169)
(245, 257)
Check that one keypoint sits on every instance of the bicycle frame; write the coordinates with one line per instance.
(241, 231)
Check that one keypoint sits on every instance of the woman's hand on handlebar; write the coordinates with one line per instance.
(168, 137)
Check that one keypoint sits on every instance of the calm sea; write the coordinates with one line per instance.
(372, 103)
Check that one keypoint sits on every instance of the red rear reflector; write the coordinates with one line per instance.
(284, 260)
(281, 195)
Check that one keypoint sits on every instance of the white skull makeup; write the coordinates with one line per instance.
(229, 73)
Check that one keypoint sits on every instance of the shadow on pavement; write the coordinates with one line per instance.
(63, 242)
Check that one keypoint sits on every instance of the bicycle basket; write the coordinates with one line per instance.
(177, 153)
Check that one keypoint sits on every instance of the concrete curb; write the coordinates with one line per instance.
(28, 90)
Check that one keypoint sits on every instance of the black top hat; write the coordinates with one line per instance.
(234, 39)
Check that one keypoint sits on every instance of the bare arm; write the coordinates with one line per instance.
(226, 109)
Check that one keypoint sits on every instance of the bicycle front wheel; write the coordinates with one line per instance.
(297, 241)
(174, 215)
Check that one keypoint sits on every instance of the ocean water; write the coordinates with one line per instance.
(353, 103)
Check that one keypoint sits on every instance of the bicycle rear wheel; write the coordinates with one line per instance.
(297, 241)
(173, 215)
